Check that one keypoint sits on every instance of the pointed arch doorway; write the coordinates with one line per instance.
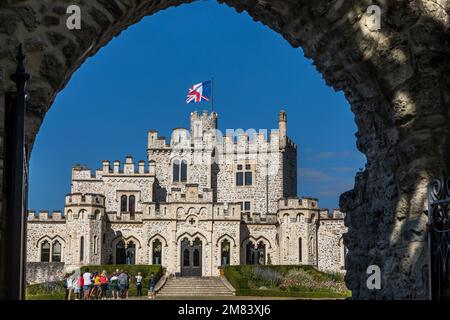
(191, 258)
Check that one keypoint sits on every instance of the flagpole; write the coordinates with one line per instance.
(212, 94)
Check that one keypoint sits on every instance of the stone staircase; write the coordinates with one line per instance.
(195, 287)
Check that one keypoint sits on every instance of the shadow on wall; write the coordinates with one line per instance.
(409, 148)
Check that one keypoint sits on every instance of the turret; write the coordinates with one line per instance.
(201, 123)
(282, 127)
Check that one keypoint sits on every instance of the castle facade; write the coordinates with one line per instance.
(201, 201)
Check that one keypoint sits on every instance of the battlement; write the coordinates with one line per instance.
(255, 217)
(336, 214)
(203, 135)
(54, 216)
(201, 122)
(85, 199)
(298, 203)
(128, 168)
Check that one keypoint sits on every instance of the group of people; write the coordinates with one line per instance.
(100, 286)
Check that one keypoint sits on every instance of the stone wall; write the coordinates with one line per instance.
(330, 245)
(40, 272)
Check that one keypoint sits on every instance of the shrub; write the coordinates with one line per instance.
(287, 281)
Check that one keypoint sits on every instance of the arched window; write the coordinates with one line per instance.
(157, 252)
(225, 253)
(120, 253)
(123, 203)
(131, 206)
(261, 253)
(45, 251)
(300, 252)
(176, 171)
(250, 253)
(343, 253)
(95, 244)
(96, 214)
(131, 253)
(183, 171)
(286, 219)
(56, 251)
(81, 248)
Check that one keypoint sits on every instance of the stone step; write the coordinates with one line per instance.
(194, 286)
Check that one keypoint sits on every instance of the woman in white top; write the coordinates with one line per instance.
(69, 287)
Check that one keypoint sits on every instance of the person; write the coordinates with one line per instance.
(87, 284)
(66, 277)
(152, 286)
(69, 287)
(139, 285)
(127, 287)
(97, 288)
(114, 281)
(103, 285)
(123, 279)
(76, 287)
(81, 284)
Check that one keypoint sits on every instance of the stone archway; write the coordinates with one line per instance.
(396, 80)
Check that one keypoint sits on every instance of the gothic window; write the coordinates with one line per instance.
(120, 253)
(343, 253)
(81, 248)
(300, 252)
(123, 203)
(244, 175)
(131, 253)
(176, 171)
(157, 252)
(183, 171)
(131, 206)
(95, 245)
(261, 253)
(179, 171)
(250, 253)
(96, 214)
(45, 251)
(225, 253)
(56, 251)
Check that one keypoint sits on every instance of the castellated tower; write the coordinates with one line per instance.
(85, 223)
(201, 123)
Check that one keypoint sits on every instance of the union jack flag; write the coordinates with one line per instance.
(199, 92)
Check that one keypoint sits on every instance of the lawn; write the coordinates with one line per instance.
(286, 281)
(55, 290)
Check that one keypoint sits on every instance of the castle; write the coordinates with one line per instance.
(201, 201)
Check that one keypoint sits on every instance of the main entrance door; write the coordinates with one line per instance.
(191, 258)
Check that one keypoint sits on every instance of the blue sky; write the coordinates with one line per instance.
(143, 75)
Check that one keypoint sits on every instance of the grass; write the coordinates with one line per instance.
(56, 291)
(286, 281)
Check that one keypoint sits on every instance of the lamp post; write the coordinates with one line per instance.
(16, 168)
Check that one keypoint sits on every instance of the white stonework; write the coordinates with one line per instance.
(186, 208)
